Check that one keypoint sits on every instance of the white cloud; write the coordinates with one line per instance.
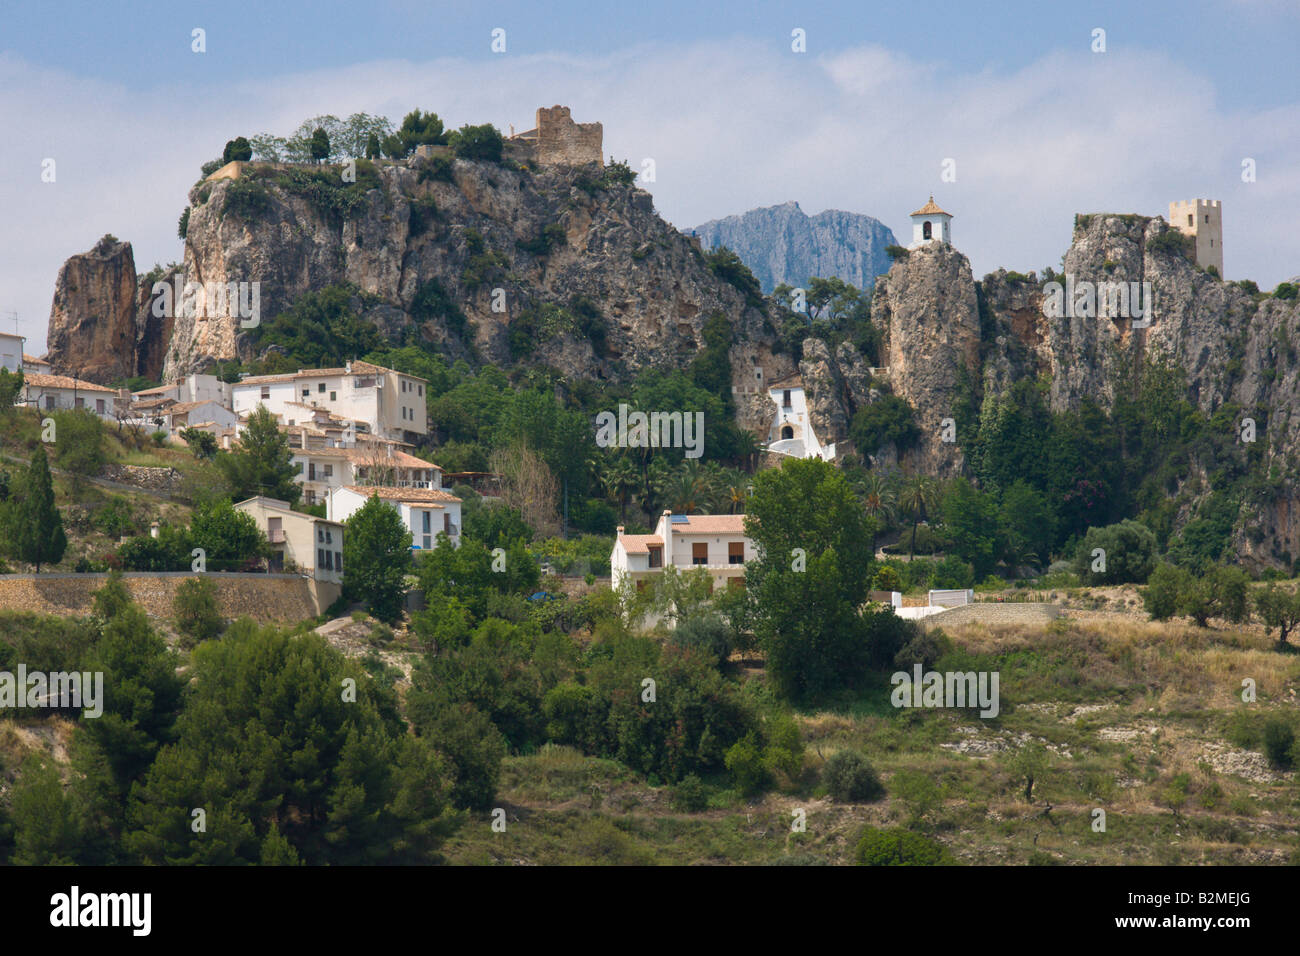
(730, 124)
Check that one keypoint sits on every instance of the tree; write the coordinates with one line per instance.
(11, 386)
(202, 443)
(970, 519)
(373, 149)
(890, 419)
(195, 607)
(1223, 591)
(37, 531)
(1278, 609)
(230, 539)
(918, 499)
(262, 462)
(320, 145)
(1028, 763)
(1128, 554)
(237, 150)
(377, 555)
(810, 577)
(1028, 525)
(420, 129)
(483, 143)
(899, 847)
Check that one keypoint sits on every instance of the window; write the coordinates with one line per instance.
(81, 402)
(1211, 246)
(266, 391)
(1190, 221)
(320, 533)
(428, 524)
(329, 536)
(786, 432)
(311, 471)
(428, 542)
(327, 471)
(49, 402)
(700, 553)
(446, 523)
(306, 393)
(421, 388)
(320, 557)
(403, 384)
(735, 552)
(1207, 217)
(320, 387)
(338, 561)
(925, 231)
(334, 396)
(785, 398)
(99, 402)
(656, 556)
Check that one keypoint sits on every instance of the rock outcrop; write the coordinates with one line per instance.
(554, 266)
(783, 244)
(92, 332)
(927, 302)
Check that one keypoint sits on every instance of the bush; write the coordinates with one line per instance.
(745, 761)
(691, 795)
(896, 252)
(706, 633)
(1129, 554)
(891, 419)
(925, 649)
(478, 142)
(195, 607)
(899, 847)
(849, 778)
(887, 579)
(1279, 743)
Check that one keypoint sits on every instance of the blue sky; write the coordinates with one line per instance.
(1038, 124)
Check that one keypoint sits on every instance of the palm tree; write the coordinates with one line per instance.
(917, 500)
(736, 490)
(619, 476)
(685, 488)
(878, 500)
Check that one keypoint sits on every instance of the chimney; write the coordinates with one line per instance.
(153, 530)
(620, 531)
(347, 366)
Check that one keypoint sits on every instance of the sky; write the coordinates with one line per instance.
(1038, 125)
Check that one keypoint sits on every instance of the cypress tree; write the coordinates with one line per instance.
(38, 527)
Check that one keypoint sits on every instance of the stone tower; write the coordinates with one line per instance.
(1202, 219)
(930, 224)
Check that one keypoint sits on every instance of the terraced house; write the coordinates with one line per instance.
(321, 470)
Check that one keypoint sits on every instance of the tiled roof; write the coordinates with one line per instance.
(358, 368)
(930, 209)
(157, 390)
(63, 381)
(33, 360)
(709, 524)
(369, 456)
(639, 543)
(411, 495)
(181, 408)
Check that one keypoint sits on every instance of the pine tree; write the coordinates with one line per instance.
(263, 462)
(37, 532)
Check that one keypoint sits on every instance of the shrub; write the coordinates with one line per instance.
(690, 794)
(195, 607)
(745, 761)
(887, 579)
(891, 419)
(706, 633)
(1279, 742)
(896, 252)
(925, 649)
(1129, 550)
(478, 142)
(1286, 290)
(899, 847)
(849, 778)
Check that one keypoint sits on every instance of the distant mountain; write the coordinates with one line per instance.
(783, 244)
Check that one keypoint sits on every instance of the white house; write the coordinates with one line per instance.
(426, 512)
(312, 545)
(322, 469)
(392, 404)
(930, 224)
(791, 432)
(33, 364)
(11, 351)
(715, 542)
(190, 388)
(48, 392)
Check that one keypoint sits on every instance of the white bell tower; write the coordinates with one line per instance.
(930, 224)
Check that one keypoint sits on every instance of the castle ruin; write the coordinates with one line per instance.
(558, 141)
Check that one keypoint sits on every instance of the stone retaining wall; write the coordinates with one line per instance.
(267, 598)
(995, 612)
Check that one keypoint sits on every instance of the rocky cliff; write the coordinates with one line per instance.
(551, 265)
(783, 244)
(100, 328)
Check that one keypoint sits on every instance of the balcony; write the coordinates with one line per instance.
(275, 536)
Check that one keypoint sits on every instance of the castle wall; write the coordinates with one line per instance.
(561, 141)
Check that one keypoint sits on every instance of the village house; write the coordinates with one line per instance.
(50, 392)
(426, 512)
(11, 351)
(190, 388)
(716, 543)
(392, 404)
(33, 364)
(301, 542)
(321, 470)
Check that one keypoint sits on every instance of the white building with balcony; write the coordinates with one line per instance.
(716, 543)
(321, 470)
(392, 404)
(426, 512)
(791, 432)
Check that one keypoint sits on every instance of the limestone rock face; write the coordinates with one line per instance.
(92, 332)
(784, 244)
(927, 303)
(552, 266)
